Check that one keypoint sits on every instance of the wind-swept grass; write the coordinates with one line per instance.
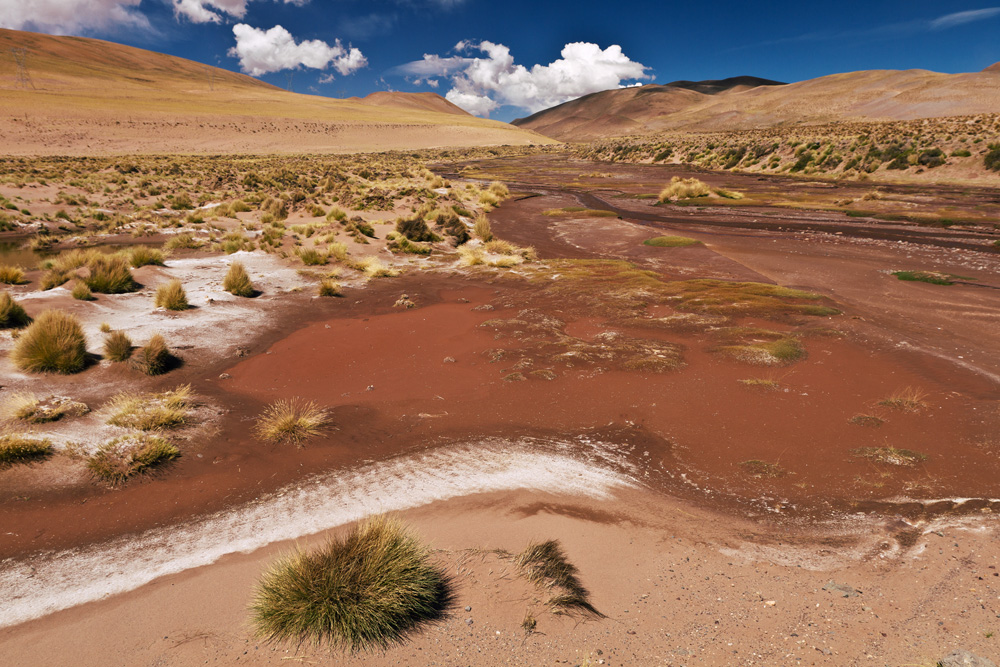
(546, 565)
(12, 314)
(361, 592)
(117, 460)
(171, 296)
(237, 281)
(291, 420)
(150, 412)
(20, 448)
(11, 275)
(53, 343)
(906, 400)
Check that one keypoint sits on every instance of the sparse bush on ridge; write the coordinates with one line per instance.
(362, 592)
(53, 343)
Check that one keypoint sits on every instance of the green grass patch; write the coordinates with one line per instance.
(932, 277)
(362, 592)
(671, 242)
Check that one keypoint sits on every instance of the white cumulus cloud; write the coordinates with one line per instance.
(481, 84)
(71, 16)
(264, 51)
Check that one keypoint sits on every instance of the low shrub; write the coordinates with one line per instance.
(144, 256)
(237, 281)
(312, 257)
(482, 228)
(150, 412)
(53, 343)
(185, 240)
(363, 591)
(81, 292)
(329, 287)
(171, 296)
(415, 228)
(110, 274)
(117, 460)
(992, 158)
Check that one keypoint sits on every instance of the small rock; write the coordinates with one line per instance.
(404, 302)
(843, 589)
(962, 658)
(370, 387)
(468, 621)
(225, 376)
(468, 609)
(449, 360)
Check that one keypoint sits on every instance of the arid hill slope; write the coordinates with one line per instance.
(89, 96)
(866, 95)
(421, 101)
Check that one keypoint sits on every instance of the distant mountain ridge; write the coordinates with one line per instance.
(747, 102)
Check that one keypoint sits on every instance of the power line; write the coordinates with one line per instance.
(20, 58)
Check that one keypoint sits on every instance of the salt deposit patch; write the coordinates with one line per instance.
(51, 582)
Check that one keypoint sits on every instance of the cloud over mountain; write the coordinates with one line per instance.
(264, 51)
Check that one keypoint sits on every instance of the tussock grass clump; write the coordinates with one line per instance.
(12, 313)
(25, 406)
(110, 274)
(19, 448)
(499, 189)
(398, 243)
(117, 346)
(185, 240)
(729, 194)
(415, 228)
(482, 228)
(53, 343)
(118, 460)
(671, 242)
(154, 357)
(81, 292)
(373, 267)
(684, 188)
(906, 400)
(312, 257)
(291, 421)
(150, 412)
(11, 275)
(328, 287)
(171, 296)
(52, 278)
(546, 565)
(890, 455)
(362, 592)
(237, 281)
(144, 256)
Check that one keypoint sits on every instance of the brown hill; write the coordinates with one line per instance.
(88, 96)
(866, 95)
(423, 101)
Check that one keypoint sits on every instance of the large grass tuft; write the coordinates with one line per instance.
(144, 256)
(11, 275)
(237, 281)
(117, 346)
(11, 313)
(545, 565)
(117, 460)
(171, 296)
(292, 420)
(53, 343)
(684, 188)
(18, 448)
(110, 274)
(362, 592)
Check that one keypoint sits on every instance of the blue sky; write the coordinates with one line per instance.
(512, 58)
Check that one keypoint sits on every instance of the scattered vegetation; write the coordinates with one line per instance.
(932, 277)
(906, 400)
(53, 343)
(361, 592)
(768, 384)
(124, 457)
(890, 456)
(291, 421)
(761, 469)
(26, 407)
(870, 421)
(671, 242)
